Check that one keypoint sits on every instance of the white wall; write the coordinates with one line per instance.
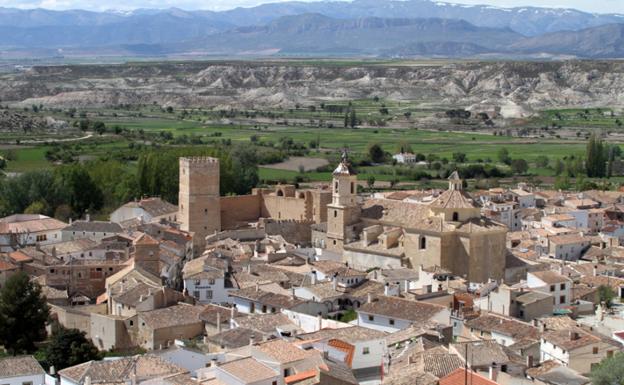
(219, 293)
(38, 379)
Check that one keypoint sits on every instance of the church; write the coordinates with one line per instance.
(449, 232)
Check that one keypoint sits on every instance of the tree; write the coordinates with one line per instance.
(37, 207)
(376, 153)
(404, 148)
(610, 371)
(519, 166)
(606, 294)
(353, 118)
(595, 162)
(69, 347)
(23, 314)
(370, 181)
(559, 167)
(459, 157)
(542, 161)
(562, 183)
(503, 156)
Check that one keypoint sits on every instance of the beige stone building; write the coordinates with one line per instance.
(448, 231)
(203, 212)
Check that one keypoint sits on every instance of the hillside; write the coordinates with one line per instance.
(516, 86)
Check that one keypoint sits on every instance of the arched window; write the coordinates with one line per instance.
(280, 193)
(301, 195)
(423, 243)
(335, 213)
(352, 187)
(455, 216)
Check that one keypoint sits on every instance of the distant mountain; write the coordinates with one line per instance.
(599, 42)
(388, 28)
(317, 34)
(529, 21)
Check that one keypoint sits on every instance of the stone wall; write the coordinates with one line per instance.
(296, 232)
(238, 211)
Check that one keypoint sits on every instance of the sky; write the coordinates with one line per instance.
(600, 6)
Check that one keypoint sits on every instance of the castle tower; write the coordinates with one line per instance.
(344, 210)
(199, 202)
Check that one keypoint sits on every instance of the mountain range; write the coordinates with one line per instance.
(363, 28)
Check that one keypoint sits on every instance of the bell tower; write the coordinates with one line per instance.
(344, 210)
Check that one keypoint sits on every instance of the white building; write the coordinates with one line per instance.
(568, 247)
(94, 230)
(405, 158)
(575, 348)
(391, 314)
(21, 230)
(21, 370)
(146, 210)
(524, 199)
(207, 284)
(555, 284)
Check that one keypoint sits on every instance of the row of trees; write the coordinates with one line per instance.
(73, 189)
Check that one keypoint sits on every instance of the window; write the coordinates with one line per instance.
(562, 286)
(371, 318)
(196, 294)
(391, 321)
(131, 323)
(365, 350)
(336, 186)
(595, 350)
(211, 281)
(27, 383)
(197, 282)
(423, 243)
(552, 287)
(455, 216)
(352, 187)
(335, 213)
(562, 299)
(42, 237)
(208, 294)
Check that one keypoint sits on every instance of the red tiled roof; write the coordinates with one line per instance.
(6, 266)
(18, 256)
(458, 377)
(300, 376)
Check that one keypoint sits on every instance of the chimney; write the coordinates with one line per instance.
(251, 340)
(218, 322)
(335, 283)
(319, 318)
(141, 298)
(573, 335)
(233, 312)
(88, 217)
(529, 361)
(52, 370)
(313, 277)
(87, 380)
(213, 362)
(292, 292)
(257, 287)
(387, 289)
(369, 298)
(595, 270)
(493, 372)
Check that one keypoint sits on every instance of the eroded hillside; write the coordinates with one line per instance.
(523, 86)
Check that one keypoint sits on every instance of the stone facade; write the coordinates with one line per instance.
(199, 201)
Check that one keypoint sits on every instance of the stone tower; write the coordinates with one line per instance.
(344, 210)
(199, 202)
